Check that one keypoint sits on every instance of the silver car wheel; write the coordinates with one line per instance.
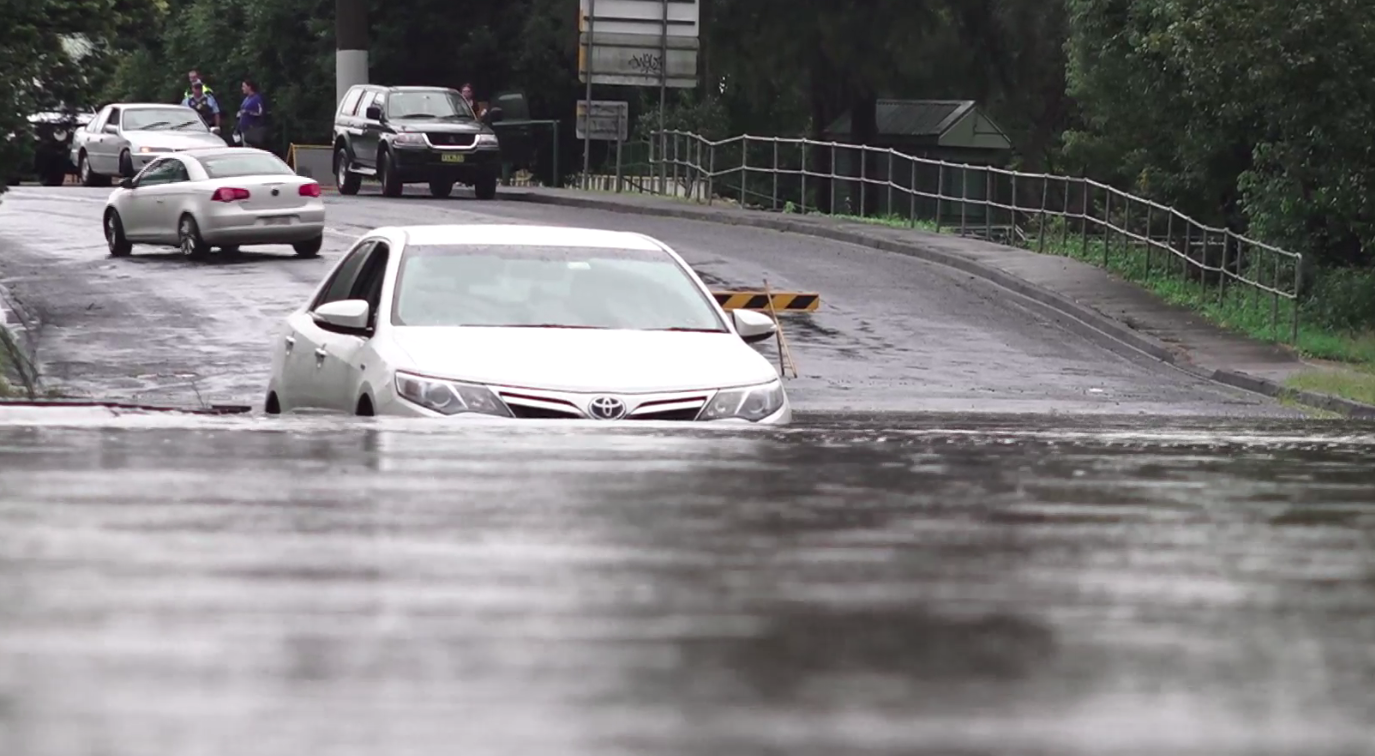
(188, 241)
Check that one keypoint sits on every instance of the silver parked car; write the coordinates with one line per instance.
(223, 197)
(125, 137)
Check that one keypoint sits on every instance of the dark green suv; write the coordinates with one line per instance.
(413, 135)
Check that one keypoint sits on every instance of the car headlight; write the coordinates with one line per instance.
(449, 397)
(486, 139)
(753, 403)
(409, 138)
(146, 150)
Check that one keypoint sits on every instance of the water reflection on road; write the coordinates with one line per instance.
(941, 585)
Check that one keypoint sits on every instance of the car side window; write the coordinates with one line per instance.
(366, 103)
(340, 284)
(112, 119)
(369, 283)
(155, 173)
(176, 171)
(350, 104)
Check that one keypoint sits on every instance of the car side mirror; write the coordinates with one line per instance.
(110, 128)
(126, 183)
(494, 115)
(373, 113)
(348, 316)
(752, 326)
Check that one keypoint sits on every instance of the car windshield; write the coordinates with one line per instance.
(551, 287)
(162, 119)
(244, 164)
(437, 104)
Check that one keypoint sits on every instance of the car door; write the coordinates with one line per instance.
(98, 149)
(370, 131)
(167, 200)
(342, 368)
(302, 384)
(139, 211)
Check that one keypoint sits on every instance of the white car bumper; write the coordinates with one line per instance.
(229, 223)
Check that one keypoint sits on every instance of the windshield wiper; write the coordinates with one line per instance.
(154, 126)
(415, 115)
(681, 329)
(186, 124)
(550, 325)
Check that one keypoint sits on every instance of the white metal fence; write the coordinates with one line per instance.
(1061, 214)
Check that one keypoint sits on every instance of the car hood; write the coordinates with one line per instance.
(172, 140)
(434, 126)
(577, 360)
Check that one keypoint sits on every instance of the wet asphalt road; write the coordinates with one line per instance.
(1075, 582)
(863, 586)
(894, 333)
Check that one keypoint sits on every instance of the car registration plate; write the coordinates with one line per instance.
(281, 220)
(452, 157)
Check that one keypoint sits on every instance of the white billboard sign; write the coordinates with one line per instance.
(633, 46)
(642, 17)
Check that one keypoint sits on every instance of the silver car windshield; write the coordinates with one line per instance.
(236, 164)
(551, 287)
(437, 104)
(162, 119)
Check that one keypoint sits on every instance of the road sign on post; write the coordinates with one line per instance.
(639, 43)
(609, 122)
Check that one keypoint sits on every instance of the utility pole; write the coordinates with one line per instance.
(663, 97)
(587, 122)
(350, 46)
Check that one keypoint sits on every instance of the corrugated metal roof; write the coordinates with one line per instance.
(913, 118)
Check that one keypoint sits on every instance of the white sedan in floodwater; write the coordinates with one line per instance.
(225, 197)
(507, 321)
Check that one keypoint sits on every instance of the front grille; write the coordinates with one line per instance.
(528, 407)
(686, 415)
(452, 140)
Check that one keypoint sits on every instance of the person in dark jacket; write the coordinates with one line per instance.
(253, 117)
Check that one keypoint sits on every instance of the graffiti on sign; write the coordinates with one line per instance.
(647, 62)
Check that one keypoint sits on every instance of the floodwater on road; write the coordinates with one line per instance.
(924, 585)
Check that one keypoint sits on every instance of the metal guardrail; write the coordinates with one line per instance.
(1022, 209)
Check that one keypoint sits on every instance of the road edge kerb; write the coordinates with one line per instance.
(1104, 330)
(17, 330)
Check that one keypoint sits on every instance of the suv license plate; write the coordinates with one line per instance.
(451, 157)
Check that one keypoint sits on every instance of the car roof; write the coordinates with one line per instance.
(199, 152)
(145, 105)
(521, 235)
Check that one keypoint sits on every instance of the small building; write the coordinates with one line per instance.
(955, 131)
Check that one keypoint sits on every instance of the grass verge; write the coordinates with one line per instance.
(15, 376)
(1239, 308)
(1354, 384)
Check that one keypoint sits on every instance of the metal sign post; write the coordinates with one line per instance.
(621, 116)
(587, 133)
(663, 97)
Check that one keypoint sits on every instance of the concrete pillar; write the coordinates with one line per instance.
(351, 46)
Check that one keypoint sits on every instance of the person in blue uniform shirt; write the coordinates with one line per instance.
(253, 117)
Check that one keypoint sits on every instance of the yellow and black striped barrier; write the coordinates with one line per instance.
(759, 300)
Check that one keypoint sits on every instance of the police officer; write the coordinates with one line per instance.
(201, 101)
(194, 78)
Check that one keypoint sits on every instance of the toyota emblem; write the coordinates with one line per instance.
(607, 408)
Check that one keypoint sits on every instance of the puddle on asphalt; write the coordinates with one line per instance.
(879, 584)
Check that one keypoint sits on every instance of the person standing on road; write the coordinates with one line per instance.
(205, 105)
(467, 92)
(253, 117)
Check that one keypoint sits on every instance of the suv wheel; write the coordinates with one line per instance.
(486, 186)
(347, 181)
(386, 173)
